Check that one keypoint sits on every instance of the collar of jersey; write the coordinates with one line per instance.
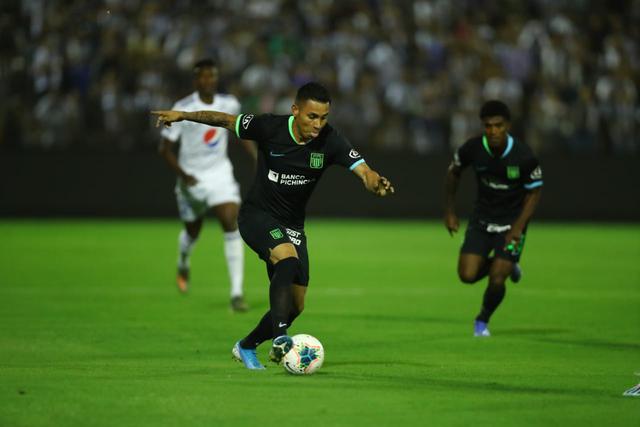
(507, 150)
(291, 132)
(196, 97)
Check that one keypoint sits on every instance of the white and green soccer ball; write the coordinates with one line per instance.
(305, 357)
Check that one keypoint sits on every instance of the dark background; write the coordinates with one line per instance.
(139, 184)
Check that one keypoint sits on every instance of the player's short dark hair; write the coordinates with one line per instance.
(204, 63)
(314, 91)
(495, 108)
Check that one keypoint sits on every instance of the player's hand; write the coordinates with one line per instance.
(384, 187)
(451, 222)
(512, 238)
(166, 117)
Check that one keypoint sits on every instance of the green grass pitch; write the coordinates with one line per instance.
(94, 333)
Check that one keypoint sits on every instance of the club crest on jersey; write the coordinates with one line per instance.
(354, 154)
(210, 139)
(316, 161)
(513, 172)
(276, 234)
(246, 120)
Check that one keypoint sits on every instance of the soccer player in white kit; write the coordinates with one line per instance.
(205, 178)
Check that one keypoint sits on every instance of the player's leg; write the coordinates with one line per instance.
(474, 263)
(494, 294)
(186, 240)
(227, 214)
(191, 212)
(473, 267)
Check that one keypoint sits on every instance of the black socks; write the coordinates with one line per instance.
(493, 296)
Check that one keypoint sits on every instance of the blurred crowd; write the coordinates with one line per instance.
(404, 74)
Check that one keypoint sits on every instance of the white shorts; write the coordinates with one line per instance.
(211, 190)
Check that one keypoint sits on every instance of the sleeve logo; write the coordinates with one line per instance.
(354, 154)
(246, 120)
(537, 173)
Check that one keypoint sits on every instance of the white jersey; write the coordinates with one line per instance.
(203, 148)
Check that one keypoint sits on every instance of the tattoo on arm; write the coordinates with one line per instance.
(212, 118)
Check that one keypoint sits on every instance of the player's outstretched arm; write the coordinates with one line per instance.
(211, 118)
(378, 185)
(452, 180)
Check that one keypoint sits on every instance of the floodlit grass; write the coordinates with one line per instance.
(94, 333)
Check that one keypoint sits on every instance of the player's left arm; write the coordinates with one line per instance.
(378, 185)
(533, 184)
(531, 199)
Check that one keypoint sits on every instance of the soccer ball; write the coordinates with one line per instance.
(305, 357)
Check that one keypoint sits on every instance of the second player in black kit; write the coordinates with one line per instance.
(509, 179)
(294, 151)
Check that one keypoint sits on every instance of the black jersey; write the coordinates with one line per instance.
(503, 180)
(287, 171)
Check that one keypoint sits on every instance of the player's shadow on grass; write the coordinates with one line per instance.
(532, 331)
(586, 342)
(387, 318)
(427, 381)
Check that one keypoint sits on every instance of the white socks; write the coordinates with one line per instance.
(185, 244)
(234, 253)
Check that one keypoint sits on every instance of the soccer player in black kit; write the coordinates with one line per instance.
(509, 182)
(294, 151)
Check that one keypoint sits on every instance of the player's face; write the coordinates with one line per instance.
(310, 117)
(496, 129)
(206, 81)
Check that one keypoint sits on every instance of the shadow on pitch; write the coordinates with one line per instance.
(387, 318)
(594, 343)
(426, 381)
(532, 331)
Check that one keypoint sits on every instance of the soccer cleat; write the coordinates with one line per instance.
(238, 304)
(281, 346)
(182, 279)
(633, 391)
(481, 329)
(248, 356)
(516, 273)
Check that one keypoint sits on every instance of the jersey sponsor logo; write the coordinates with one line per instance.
(246, 120)
(290, 179)
(294, 236)
(272, 154)
(273, 176)
(513, 172)
(495, 185)
(354, 154)
(276, 233)
(537, 173)
(209, 138)
(316, 160)
(497, 228)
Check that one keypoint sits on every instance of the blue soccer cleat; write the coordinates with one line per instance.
(248, 356)
(281, 346)
(481, 329)
(516, 273)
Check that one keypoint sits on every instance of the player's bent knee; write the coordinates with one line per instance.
(467, 277)
(497, 280)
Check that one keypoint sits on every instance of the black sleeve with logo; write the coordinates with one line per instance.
(343, 152)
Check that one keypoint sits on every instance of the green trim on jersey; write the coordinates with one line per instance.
(238, 125)
(507, 149)
(485, 144)
(291, 118)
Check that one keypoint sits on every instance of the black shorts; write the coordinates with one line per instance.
(262, 233)
(482, 238)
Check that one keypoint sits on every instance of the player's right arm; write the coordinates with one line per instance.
(211, 118)
(451, 221)
(165, 149)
